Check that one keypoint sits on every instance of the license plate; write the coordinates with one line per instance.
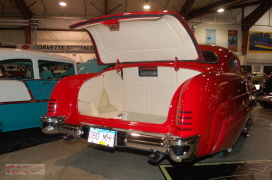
(103, 137)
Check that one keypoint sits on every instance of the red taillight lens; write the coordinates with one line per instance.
(51, 106)
(184, 120)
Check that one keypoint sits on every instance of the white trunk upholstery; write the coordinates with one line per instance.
(135, 94)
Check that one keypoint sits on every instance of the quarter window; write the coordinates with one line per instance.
(233, 64)
(209, 56)
(54, 69)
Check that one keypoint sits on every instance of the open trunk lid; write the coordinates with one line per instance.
(142, 37)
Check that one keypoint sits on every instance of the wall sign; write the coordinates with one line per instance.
(59, 48)
(260, 42)
(232, 40)
(211, 36)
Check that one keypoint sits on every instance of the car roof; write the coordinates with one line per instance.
(9, 53)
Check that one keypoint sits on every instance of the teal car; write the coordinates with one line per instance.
(27, 79)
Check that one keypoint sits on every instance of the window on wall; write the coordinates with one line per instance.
(257, 68)
(16, 68)
(55, 70)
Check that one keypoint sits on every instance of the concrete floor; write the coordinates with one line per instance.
(82, 161)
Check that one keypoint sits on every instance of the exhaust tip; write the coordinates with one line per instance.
(155, 156)
(69, 138)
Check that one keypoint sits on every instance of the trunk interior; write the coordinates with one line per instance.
(133, 94)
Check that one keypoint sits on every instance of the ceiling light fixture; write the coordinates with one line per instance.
(220, 10)
(146, 6)
(62, 3)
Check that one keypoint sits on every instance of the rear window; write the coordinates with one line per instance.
(16, 68)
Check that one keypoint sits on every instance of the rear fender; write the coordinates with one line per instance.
(229, 121)
(196, 109)
(205, 102)
(63, 100)
(231, 114)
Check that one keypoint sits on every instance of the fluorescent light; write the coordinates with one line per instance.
(220, 10)
(62, 3)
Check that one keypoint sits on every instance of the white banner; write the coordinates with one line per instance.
(64, 48)
(59, 48)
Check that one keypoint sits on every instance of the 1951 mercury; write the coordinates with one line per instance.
(164, 93)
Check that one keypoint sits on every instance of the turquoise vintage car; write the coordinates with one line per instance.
(91, 66)
(26, 81)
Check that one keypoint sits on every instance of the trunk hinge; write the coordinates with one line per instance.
(175, 64)
(118, 69)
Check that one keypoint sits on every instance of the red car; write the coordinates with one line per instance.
(162, 92)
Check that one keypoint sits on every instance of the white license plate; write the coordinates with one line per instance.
(102, 136)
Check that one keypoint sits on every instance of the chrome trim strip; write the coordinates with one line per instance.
(24, 102)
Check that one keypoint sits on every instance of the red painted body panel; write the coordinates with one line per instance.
(214, 104)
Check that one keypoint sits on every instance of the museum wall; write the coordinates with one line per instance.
(12, 37)
(221, 22)
(231, 20)
(79, 38)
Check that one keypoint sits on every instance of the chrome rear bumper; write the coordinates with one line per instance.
(177, 148)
